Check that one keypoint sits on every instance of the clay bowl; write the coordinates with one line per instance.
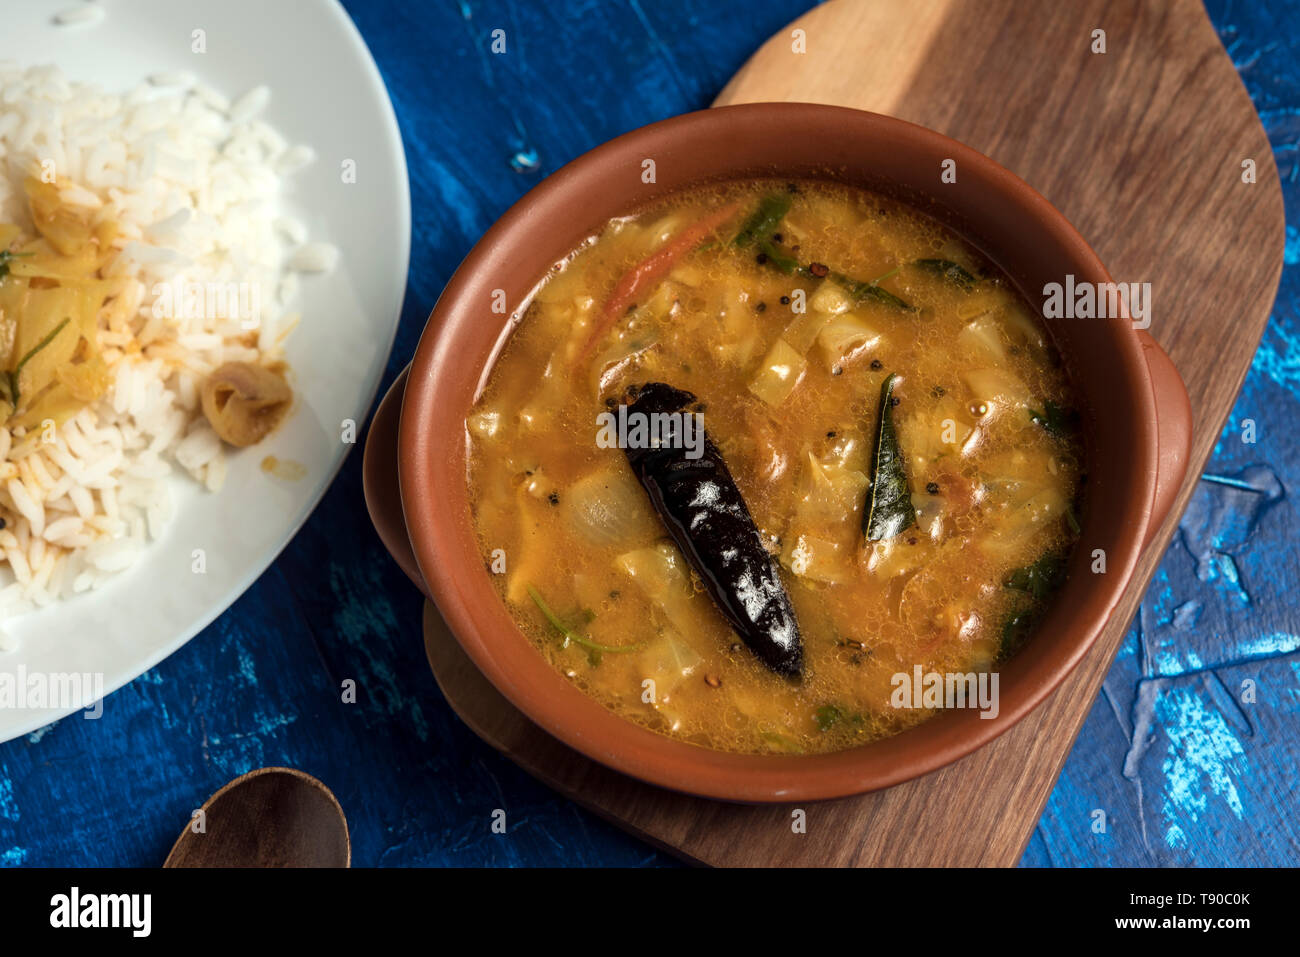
(1136, 418)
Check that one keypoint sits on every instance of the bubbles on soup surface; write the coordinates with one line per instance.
(982, 412)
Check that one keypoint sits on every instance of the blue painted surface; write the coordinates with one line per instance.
(1187, 771)
(1184, 771)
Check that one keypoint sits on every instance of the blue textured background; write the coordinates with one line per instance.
(1185, 772)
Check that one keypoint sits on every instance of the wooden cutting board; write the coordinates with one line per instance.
(1142, 148)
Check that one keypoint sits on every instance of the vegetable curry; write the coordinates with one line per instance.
(67, 315)
(885, 477)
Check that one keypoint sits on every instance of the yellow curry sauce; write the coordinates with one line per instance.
(788, 370)
(52, 294)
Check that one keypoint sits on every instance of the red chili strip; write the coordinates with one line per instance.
(651, 271)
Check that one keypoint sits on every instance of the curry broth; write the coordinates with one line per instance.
(993, 465)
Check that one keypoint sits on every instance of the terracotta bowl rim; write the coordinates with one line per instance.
(454, 570)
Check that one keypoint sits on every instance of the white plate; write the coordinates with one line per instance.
(325, 92)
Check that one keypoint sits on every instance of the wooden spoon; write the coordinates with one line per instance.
(271, 817)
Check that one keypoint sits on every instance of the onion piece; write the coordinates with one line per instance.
(244, 402)
(607, 508)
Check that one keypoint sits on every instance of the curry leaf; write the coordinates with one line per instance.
(1015, 631)
(765, 219)
(953, 272)
(858, 289)
(827, 716)
(1040, 579)
(13, 376)
(594, 648)
(863, 291)
(771, 210)
(1056, 420)
(1036, 582)
(777, 256)
(889, 504)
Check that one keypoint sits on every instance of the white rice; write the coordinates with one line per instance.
(195, 184)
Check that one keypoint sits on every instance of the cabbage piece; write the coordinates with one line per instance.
(13, 297)
(981, 339)
(687, 275)
(980, 301)
(669, 662)
(996, 387)
(663, 229)
(892, 557)
(831, 493)
(49, 331)
(830, 299)
(1022, 504)
(739, 336)
(1020, 326)
(947, 428)
(85, 381)
(660, 572)
(931, 516)
(816, 558)
(68, 228)
(779, 373)
(57, 404)
(847, 337)
(618, 360)
(803, 330)
(670, 659)
(51, 300)
(40, 258)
